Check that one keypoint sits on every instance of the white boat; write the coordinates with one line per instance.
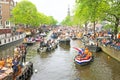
(11, 39)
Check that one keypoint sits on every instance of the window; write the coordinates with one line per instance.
(0, 22)
(7, 23)
(0, 17)
(0, 12)
(4, 40)
(0, 6)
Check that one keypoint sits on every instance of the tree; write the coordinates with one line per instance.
(67, 21)
(25, 12)
(113, 14)
(98, 10)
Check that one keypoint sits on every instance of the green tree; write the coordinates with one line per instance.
(67, 21)
(25, 12)
(98, 10)
(113, 14)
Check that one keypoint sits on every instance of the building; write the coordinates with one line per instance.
(5, 13)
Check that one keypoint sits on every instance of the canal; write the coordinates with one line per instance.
(59, 65)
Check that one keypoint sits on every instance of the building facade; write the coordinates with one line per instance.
(5, 13)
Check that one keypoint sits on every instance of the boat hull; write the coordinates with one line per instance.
(93, 48)
(84, 62)
(65, 41)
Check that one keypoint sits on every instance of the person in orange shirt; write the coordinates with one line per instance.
(2, 63)
(88, 55)
(118, 36)
(9, 62)
(86, 51)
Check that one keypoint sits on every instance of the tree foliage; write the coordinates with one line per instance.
(97, 10)
(25, 12)
(67, 21)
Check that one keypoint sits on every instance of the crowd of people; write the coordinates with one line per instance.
(16, 61)
(85, 55)
(47, 43)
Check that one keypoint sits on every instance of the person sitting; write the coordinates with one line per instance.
(15, 63)
(42, 43)
(85, 52)
(2, 63)
(9, 62)
(88, 55)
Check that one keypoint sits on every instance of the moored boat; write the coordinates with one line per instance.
(11, 39)
(93, 48)
(65, 41)
(28, 41)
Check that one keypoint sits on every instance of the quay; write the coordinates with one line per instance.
(111, 52)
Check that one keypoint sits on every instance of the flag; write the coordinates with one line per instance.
(80, 50)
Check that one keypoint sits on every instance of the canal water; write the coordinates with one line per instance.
(59, 64)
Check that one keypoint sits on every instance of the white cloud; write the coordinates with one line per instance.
(56, 8)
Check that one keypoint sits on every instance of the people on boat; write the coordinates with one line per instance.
(42, 43)
(86, 55)
(2, 63)
(16, 51)
(25, 40)
(48, 45)
(15, 63)
(9, 62)
(86, 52)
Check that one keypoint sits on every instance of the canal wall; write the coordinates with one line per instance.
(111, 52)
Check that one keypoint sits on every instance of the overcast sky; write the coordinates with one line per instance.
(56, 8)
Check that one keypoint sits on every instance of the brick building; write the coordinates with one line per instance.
(5, 13)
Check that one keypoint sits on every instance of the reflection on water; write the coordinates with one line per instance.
(59, 65)
(64, 47)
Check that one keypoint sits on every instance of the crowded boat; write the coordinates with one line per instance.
(84, 56)
(16, 67)
(47, 45)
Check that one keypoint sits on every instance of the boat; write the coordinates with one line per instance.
(84, 56)
(47, 49)
(6, 41)
(83, 61)
(28, 41)
(42, 50)
(64, 41)
(24, 73)
(38, 39)
(93, 48)
(43, 34)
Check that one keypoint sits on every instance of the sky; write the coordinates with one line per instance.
(56, 8)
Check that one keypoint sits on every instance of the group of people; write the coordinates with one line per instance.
(6, 62)
(49, 43)
(14, 62)
(85, 55)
